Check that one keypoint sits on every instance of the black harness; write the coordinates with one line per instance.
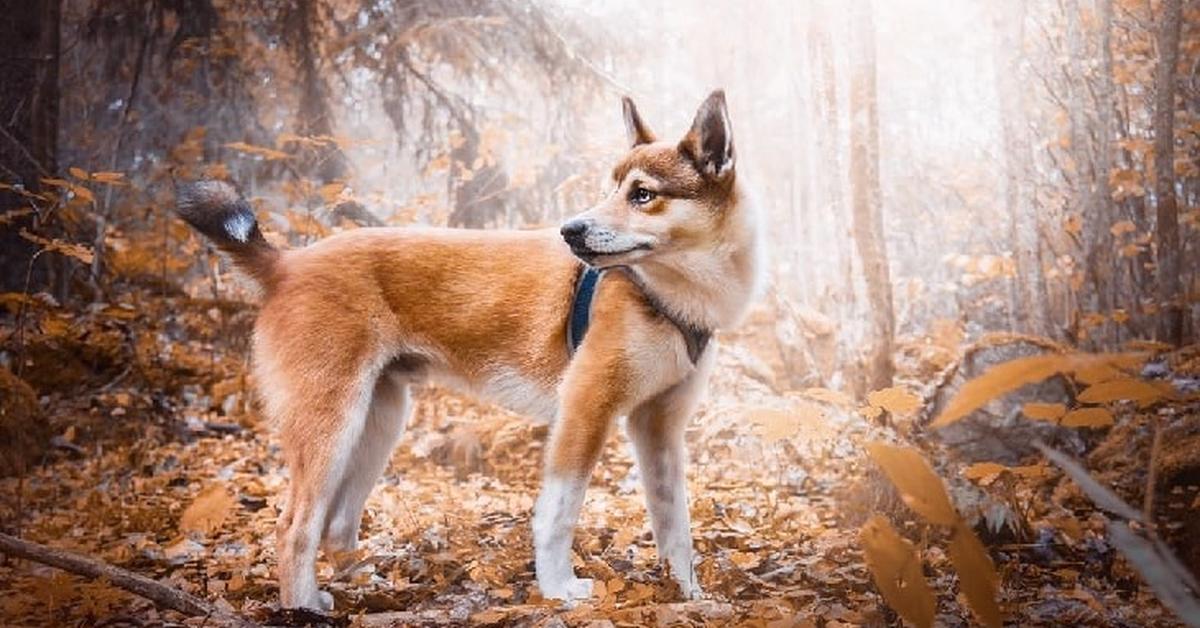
(696, 338)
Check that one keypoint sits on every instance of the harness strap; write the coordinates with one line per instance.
(581, 306)
(695, 338)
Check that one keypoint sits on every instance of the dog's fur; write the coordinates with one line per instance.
(350, 323)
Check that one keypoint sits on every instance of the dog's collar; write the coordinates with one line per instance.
(696, 338)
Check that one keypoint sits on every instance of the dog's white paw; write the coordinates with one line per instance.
(324, 601)
(570, 591)
(692, 592)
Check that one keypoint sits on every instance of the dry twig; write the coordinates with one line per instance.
(160, 594)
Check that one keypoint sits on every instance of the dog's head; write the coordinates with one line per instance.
(669, 197)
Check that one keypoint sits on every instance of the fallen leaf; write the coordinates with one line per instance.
(775, 424)
(897, 400)
(984, 472)
(832, 397)
(208, 511)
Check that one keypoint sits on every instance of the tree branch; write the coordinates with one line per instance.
(160, 594)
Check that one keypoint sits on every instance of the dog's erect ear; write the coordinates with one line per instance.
(709, 143)
(635, 129)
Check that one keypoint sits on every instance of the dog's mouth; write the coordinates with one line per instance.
(593, 256)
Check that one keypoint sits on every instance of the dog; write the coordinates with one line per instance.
(608, 316)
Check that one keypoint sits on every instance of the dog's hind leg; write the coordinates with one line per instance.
(656, 429)
(390, 407)
(320, 425)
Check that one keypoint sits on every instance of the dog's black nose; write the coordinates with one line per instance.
(574, 229)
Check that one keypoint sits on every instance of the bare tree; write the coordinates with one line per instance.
(866, 201)
(1170, 326)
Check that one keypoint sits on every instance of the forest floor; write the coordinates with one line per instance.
(160, 465)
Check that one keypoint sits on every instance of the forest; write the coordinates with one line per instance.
(969, 393)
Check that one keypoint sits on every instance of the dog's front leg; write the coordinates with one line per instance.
(656, 429)
(575, 443)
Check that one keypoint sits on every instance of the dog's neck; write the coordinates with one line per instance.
(712, 289)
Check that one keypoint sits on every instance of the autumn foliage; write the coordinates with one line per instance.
(969, 395)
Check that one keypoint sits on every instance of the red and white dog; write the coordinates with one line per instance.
(350, 323)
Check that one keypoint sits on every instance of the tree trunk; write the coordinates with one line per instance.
(315, 117)
(1032, 310)
(866, 200)
(1085, 197)
(28, 123)
(1170, 325)
(1101, 256)
(837, 364)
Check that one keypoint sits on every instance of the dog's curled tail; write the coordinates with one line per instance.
(215, 209)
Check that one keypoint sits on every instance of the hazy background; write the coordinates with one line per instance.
(993, 163)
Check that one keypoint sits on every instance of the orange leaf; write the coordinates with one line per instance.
(83, 193)
(208, 511)
(1128, 389)
(919, 487)
(832, 397)
(1009, 376)
(70, 249)
(1097, 373)
(1044, 411)
(1087, 417)
(1000, 380)
(775, 424)
(984, 472)
(1073, 224)
(331, 191)
(269, 154)
(109, 178)
(977, 577)
(1122, 227)
(897, 400)
(897, 572)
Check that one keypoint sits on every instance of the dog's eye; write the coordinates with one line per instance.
(641, 196)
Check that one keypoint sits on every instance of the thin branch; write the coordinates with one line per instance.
(1152, 472)
(160, 594)
(446, 99)
(33, 160)
(579, 57)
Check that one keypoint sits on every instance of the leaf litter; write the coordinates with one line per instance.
(173, 475)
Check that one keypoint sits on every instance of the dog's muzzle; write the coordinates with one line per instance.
(589, 242)
(575, 233)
